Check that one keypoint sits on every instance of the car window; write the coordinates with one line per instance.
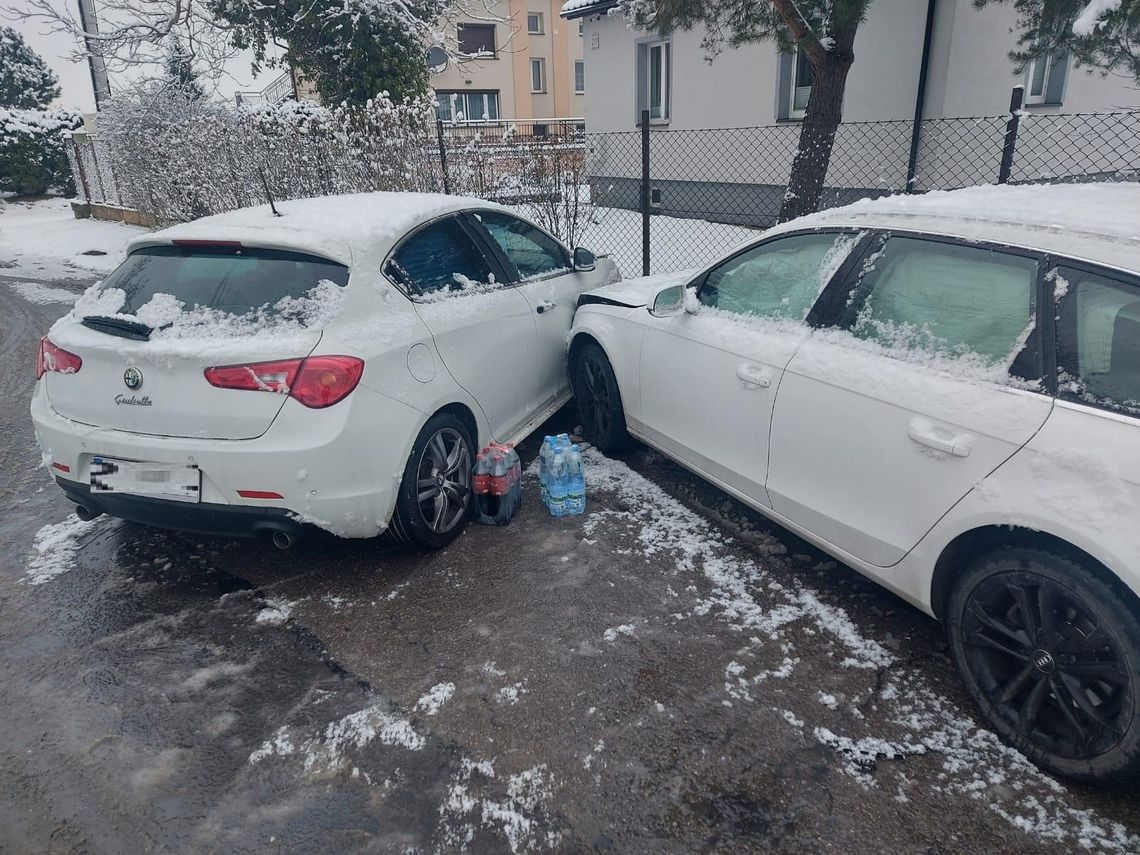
(228, 278)
(947, 299)
(1098, 340)
(530, 249)
(778, 279)
(438, 257)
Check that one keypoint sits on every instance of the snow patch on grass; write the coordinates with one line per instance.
(43, 295)
(55, 547)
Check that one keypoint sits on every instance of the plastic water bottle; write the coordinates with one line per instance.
(559, 483)
(544, 455)
(575, 483)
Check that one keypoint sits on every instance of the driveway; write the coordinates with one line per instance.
(665, 673)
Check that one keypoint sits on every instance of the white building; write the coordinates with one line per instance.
(733, 123)
(970, 73)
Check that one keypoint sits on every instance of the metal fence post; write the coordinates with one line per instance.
(442, 156)
(1015, 101)
(645, 194)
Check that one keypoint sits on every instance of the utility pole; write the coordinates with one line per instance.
(90, 23)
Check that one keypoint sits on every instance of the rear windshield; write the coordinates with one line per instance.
(236, 280)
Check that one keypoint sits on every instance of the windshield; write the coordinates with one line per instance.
(236, 280)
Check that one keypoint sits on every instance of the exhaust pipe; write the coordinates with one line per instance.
(86, 514)
(283, 540)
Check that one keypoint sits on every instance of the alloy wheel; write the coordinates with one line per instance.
(1048, 664)
(598, 394)
(443, 484)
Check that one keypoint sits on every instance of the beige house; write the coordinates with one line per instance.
(523, 62)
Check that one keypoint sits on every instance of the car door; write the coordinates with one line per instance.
(930, 381)
(708, 379)
(481, 325)
(542, 270)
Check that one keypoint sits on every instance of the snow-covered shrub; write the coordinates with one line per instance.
(180, 159)
(33, 150)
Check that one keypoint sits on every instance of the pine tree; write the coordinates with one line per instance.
(349, 54)
(180, 72)
(25, 80)
(1103, 34)
(822, 30)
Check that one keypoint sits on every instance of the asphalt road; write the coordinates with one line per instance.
(666, 673)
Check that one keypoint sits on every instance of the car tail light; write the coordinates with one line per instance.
(318, 381)
(53, 358)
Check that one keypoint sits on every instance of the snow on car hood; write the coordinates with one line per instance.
(639, 291)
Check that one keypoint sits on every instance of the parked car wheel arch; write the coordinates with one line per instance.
(958, 554)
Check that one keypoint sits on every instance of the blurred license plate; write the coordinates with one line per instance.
(181, 482)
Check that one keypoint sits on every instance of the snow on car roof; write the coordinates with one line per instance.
(1100, 222)
(333, 226)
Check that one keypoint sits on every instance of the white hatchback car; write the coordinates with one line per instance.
(943, 392)
(337, 365)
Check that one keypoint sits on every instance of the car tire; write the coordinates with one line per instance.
(598, 398)
(435, 500)
(1051, 654)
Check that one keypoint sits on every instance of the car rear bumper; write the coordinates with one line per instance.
(330, 467)
(199, 518)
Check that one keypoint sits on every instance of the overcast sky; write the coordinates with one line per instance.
(75, 78)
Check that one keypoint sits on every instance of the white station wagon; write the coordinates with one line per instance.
(942, 392)
(337, 365)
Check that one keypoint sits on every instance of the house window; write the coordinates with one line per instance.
(477, 39)
(538, 75)
(534, 23)
(579, 77)
(467, 106)
(654, 83)
(1045, 78)
(801, 85)
(581, 27)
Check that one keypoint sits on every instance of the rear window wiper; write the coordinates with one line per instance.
(121, 327)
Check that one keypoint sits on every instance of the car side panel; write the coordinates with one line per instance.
(619, 330)
(1078, 479)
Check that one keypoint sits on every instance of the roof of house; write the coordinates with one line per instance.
(581, 8)
(337, 227)
(1098, 222)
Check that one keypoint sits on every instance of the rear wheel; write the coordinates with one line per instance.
(434, 502)
(1051, 653)
(599, 401)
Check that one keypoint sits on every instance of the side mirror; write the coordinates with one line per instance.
(669, 303)
(584, 260)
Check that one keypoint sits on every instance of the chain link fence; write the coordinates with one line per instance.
(673, 199)
(654, 199)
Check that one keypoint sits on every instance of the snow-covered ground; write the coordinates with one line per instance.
(43, 240)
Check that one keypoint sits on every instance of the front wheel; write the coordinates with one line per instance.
(1051, 654)
(434, 502)
(599, 401)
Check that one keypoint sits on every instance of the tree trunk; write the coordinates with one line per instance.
(817, 135)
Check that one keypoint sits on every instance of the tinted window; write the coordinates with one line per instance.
(779, 279)
(236, 280)
(531, 250)
(1098, 339)
(439, 256)
(946, 299)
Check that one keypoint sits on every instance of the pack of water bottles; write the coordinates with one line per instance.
(497, 484)
(561, 478)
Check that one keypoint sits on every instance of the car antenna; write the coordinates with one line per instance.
(268, 195)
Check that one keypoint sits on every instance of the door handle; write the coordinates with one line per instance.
(546, 306)
(753, 377)
(924, 433)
